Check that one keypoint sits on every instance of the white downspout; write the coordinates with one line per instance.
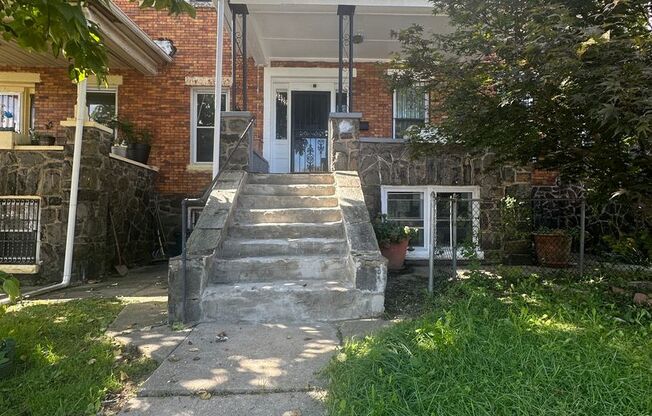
(74, 187)
(219, 49)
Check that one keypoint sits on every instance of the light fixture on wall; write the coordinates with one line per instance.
(358, 38)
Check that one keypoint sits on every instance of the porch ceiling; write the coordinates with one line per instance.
(295, 30)
(127, 45)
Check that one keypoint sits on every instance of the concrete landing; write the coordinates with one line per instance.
(254, 359)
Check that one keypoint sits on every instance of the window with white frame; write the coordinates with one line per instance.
(410, 108)
(102, 105)
(203, 122)
(10, 111)
(418, 206)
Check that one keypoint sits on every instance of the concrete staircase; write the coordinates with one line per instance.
(285, 257)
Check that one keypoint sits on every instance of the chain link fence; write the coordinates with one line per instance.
(542, 236)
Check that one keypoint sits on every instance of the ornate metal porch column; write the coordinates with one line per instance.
(239, 41)
(345, 41)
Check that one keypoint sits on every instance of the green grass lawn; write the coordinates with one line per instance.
(66, 366)
(504, 347)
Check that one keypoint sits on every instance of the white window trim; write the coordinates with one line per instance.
(422, 253)
(193, 121)
(426, 112)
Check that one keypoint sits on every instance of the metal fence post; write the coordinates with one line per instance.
(433, 230)
(582, 235)
(454, 235)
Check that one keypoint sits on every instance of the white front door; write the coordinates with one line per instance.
(280, 84)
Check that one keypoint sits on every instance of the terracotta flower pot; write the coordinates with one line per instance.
(553, 250)
(395, 253)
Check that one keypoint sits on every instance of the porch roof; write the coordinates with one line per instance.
(307, 30)
(127, 45)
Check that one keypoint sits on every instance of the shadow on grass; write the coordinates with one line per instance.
(501, 348)
(66, 365)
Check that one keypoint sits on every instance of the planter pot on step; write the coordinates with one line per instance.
(119, 151)
(553, 250)
(138, 152)
(7, 357)
(395, 254)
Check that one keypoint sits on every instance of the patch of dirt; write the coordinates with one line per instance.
(406, 294)
(142, 367)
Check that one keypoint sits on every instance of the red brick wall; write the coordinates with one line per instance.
(544, 177)
(161, 103)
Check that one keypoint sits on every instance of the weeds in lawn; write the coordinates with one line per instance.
(67, 366)
(515, 345)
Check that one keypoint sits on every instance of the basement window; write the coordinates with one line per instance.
(202, 119)
(416, 206)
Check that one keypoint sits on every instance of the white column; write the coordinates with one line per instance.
(219, 49)
(74, 184)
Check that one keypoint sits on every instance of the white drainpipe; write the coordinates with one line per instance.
(74, 187)
(219, 8)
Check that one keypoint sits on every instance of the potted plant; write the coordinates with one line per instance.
(43, 139)
(516, 231)
(393, 239)
(552, 247)
(11, 287)
(138, 148)
(124, 133)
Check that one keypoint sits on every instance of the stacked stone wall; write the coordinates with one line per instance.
(106, 184)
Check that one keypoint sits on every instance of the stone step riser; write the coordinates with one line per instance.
(250, 248)
(290, 190)
(260, 269)
(294, 216)
(279, 202)
(291, 179)
(245, 304)
(285, 231)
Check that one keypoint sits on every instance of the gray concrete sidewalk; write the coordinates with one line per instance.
(248, 369)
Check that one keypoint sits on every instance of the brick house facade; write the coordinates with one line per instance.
(162, 103)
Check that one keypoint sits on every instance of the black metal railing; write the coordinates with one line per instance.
(19, 229)
(310, 151)
(201, 201)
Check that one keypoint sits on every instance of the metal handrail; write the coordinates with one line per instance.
(186, 202)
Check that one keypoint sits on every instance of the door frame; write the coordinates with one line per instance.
(291, 79)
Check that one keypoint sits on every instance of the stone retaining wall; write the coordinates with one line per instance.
(105, 184)
(388, 162)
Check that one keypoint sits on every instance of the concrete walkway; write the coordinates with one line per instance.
(231, 370)
(214, 369)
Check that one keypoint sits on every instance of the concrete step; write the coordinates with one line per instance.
(287, 230)
(292, 178)
(290, 190)
(288, 301)
(234, 248)
(287, 215)
(270, 269)
(276, 202)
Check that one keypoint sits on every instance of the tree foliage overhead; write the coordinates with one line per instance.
(61, 27)
(564, 83)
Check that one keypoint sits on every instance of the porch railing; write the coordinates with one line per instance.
(19, 229)
(201, 201)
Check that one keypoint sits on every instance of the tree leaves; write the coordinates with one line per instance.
(62, 28)
(567, 83)
(10, 286)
